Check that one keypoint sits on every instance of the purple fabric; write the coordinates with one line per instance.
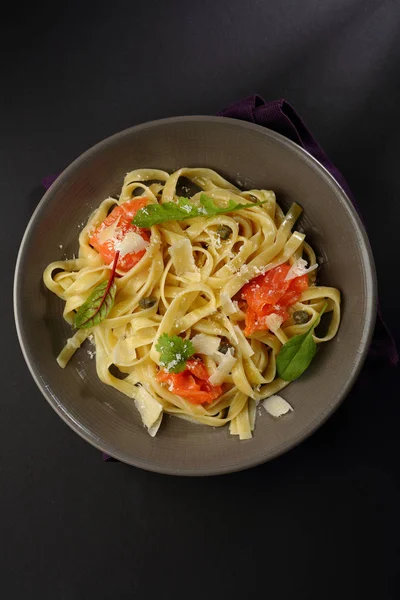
(48, 181)
(281, 117)
(108, 458)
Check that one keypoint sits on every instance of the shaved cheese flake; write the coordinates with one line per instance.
(206, 344)
(155, 427)
(150, 410)
(227, 305)
(245, 347)
(299, 268)
(276, 406)
(131, 243)
(223, 369)
(108, 233)
(182, 257)
(273, 322)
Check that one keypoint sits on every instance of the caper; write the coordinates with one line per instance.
(147, 302)
(224, 232)
(224, 347)
(300, 317)
(139, 191)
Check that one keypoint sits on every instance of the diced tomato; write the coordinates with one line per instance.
(192, 383)
(124, 214)
(270, 293)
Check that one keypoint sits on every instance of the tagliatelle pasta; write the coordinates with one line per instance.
(235, 285)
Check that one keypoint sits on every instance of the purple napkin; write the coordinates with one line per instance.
(281, 117)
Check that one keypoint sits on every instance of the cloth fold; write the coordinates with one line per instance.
(280, 116)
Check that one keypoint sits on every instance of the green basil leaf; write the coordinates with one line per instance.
(154, 214)
(296, 355)
(213, 209)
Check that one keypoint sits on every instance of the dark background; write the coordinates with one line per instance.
(321, 521)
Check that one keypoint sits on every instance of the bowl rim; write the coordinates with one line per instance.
(361, 353)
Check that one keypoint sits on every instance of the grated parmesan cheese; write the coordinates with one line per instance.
(109, 233)
(299, 268)
(248, 273)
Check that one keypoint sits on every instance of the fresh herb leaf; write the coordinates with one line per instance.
(213, 209)
(296, 355)
(154, 214)
(97, 307)
(174, 352)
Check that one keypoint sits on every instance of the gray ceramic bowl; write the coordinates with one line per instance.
(253, 157)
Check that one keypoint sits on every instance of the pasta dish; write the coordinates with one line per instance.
(200, 303)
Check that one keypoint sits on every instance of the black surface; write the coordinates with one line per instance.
(319, 522)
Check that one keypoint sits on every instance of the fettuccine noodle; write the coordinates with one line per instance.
(195, 277)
